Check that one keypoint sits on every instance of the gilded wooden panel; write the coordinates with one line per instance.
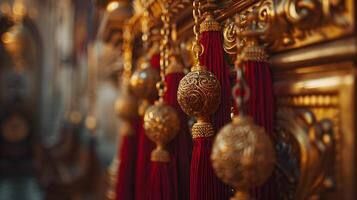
(315, 124)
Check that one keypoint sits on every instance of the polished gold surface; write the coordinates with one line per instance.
(312, 50)
(161, 124)
(290, 24)
(241, 195)
(143, 83)
(202, 129)
(296, 23)
(243, 155)
(209, 24)
(314, 119)
(199, 93)
(324, 53)
(161, 121)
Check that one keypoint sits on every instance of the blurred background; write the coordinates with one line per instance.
(51, 146)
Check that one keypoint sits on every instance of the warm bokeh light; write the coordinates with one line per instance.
(112, 6)
(7, 38)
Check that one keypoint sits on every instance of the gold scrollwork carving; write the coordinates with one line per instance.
(311, 142)
(296, 23)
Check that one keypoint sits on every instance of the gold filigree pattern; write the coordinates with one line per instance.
(314, 143)
(202, 129)
(243, 155)
(209, 24)
(199, 93)
(161, 124)
(296, 23)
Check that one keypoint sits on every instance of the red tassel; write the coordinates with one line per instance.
(213, 59)
(261, 107)
(204, 184)
(161, 182)
(155, 61)
(145, 146)
(182, 144)
(126, 174)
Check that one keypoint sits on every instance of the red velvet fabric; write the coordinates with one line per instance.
(182, 144)
(126, 173)
(161, 182)
(261, 107)
(204, 184)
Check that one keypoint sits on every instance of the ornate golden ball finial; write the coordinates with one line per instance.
(143, 85)
(161, 121)
(161, 124)
(199, 96)
(199, 91)
(243, 155)
(143, 82)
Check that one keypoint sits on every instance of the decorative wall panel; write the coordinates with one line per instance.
(315, 124)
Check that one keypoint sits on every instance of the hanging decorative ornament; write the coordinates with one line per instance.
(243, 154)
(213, 59)
(161, 124)
(143, 84)
(199, 96)
(147, 79)
(258, 77)
(126, 107)
(199, 91)
(182, 144)
(144, 79)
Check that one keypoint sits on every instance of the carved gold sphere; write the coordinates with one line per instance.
(143, 82)
(161, 124)
(243, 154)
(126, 106)
(199, 93)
